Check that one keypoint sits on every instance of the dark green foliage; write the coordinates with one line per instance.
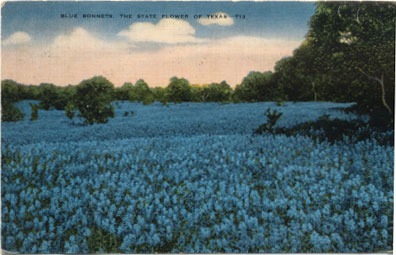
(179, 90)
(52, 96)
(160, 95)
(140, 92)
(294, 75)
(93, 100)
(256, 87)
(69, 110)
(354, 43)
(34, 111)
(272, 117)
(102, 241)
(10, 93)
(325, 129)
(122, 93)
(214, 92)
(10, 113)
(48, 95)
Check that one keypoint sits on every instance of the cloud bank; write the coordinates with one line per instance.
(170, 31)
(17, 38)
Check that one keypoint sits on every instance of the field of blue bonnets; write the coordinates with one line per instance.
(192, 178)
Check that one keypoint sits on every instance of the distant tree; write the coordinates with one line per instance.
(217, 92)
(160, 95)
(48, 95)
(122, 93)
(197, 93)
(93, 100)
(54, 96)
(10, 93)
(141, 92)
(256, 86)
(179, 90)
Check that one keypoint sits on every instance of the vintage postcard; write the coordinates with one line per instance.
(197, 127)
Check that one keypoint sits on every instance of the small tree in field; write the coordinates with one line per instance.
(69, 111)
(34, 111)
(93, 100)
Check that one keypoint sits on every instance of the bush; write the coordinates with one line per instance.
(272, 117)
(10, 113)
(10, 93)
(34, 111)
(93, 100)
(69, 111)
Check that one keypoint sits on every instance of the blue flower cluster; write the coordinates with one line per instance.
(156, 120)
(203, 190)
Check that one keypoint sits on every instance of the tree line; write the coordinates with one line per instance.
(348, 55)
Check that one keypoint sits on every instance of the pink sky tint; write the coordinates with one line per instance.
(67, 61)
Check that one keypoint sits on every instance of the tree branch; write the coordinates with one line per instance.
(371, 77)
(381, 82)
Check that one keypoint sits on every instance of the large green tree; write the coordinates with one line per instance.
(355, 43)
(93, 99)
(295, 75)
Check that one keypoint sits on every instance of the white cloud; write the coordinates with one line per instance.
(170, 31)
(218, 18)
(81, 41)
(17, 38)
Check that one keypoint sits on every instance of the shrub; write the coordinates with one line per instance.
(10, 113)
(34, 111)
(93, 100)
(69, 110)
(272, 117)
(9, 95)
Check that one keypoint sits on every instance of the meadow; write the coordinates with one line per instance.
(192, 178)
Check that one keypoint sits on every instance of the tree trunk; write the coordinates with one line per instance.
(381, 82)
(314, 91)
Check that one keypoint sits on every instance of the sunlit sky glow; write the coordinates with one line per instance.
(39, 46)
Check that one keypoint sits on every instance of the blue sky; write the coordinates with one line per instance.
(35, 26)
